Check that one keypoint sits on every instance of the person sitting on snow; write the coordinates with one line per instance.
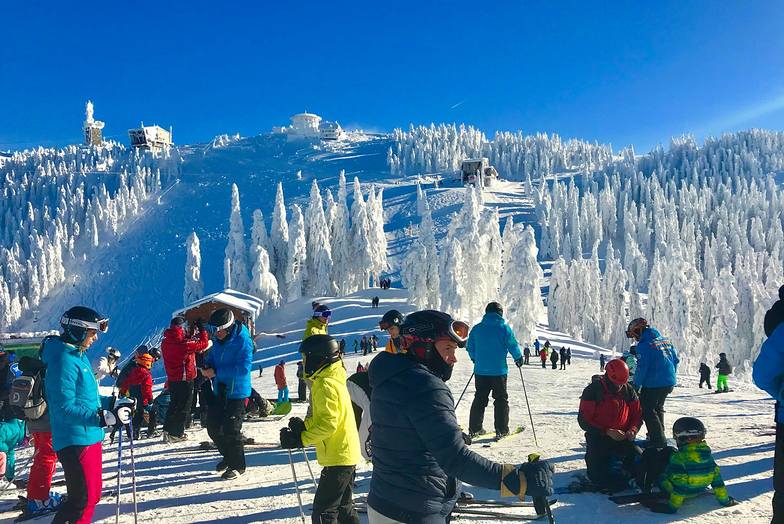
(611, 416)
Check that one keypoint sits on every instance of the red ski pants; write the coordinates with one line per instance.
(82, 466)
(44, 463)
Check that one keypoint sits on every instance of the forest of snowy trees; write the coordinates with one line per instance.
(58, 205)
(690, 237)
(329, 249)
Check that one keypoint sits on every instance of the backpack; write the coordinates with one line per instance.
(124, 372)
(27, 397)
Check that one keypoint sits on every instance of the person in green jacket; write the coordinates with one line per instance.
(12, 433)
(318, 324)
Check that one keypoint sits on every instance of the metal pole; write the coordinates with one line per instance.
(464, 390)
(119, 475)
(133, 476)
(296, 486)
(307, 461)
(533, 428)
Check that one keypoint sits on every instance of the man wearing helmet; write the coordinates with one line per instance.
(419, 456)
(611, 416)
(657, 365)
(390, 323)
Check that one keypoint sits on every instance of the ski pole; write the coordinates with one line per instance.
(464, 390)
(533, 428)
(24, 465)
(133, 475)
(307, 461)
(119, 475)
(296, 486)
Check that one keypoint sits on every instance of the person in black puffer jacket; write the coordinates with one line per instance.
(419, 456)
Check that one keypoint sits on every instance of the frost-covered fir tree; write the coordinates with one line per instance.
(235, 248)
(263, 283)
(360, 245)
(319, 247)
(413, 275)
(521, 288)
(724, 322)
(194, 287)
(279, 237)
(559, 313)
(342, 268)
(297, 270)
(258, 234)
(453, 292)
(376, 238)
(430, 262)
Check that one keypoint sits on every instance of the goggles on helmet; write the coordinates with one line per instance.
(101, 325)
(458, 331)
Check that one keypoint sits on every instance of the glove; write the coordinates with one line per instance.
(200, 324)
(107, 419)
(729, 502)
(538, 477)
(519, 362)
(123, 409)
(297, 425)
(289, 439)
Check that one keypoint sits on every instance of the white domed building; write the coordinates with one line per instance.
(310, 126)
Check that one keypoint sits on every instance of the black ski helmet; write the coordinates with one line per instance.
(688, 428)
(494, 307)
(393, 317)
(222, 318)
(142, 349)
(155, 353)
(78, 320)
(319, 351)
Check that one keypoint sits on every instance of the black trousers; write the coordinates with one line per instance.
(179, 407)
(484, 386)
(599, 450)
(563, 363)
(652, 403)
(526, 357)
(224, 425)
(302, 390)
(705, 379)
(778, 476)
(334, 502)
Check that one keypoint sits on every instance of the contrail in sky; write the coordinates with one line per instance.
(457, 105)
(752, 112)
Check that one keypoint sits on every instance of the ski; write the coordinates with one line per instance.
(493, 439)
(499, 503)
(458, 512)
(634, 498)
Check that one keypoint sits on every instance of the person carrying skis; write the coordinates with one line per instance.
(543, 357)
(179, 360)
(657, 365)
(691, 469)
(390, 323)
(229, 363)
(563, 357)
(554, 359)
(610, 414)
(280, 382)
(77, 413)
(106, 366)
(526, 354)
(138, 385)
(601, 362)
(725, 369)
(488, 344)
(302, 387)
(331, 428)
(705, 373)
(419, 456)
(768, 375)
(318, 324)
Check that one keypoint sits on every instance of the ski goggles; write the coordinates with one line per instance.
(322, 314)
(228, 324)
(384, 325)
(458, 331)
(101, 325)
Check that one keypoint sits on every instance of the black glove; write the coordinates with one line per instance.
(289, 439)
(200, 324)
(297, 425)
(539, 477)
(467, 439)
(519, 362)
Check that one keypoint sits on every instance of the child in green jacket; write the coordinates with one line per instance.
(12, 433)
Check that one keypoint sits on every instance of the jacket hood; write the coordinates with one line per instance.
(492, 318)
(54, 346)
(175, 333)
(386, 365)
(650, 333)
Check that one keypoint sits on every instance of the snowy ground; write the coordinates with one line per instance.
(177, 484)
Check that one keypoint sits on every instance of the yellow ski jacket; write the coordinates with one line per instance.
(314, 327)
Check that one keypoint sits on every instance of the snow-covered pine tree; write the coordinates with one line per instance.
(360, 243)
(235, 247)
(258, 234)
(521, 289)
(430, 262)
(263, 284)
(194, 287)
(319, 248)
(453, 292)
(296, 271)
(342, 267)
(279, 237)
(376, 237)
(413, 275)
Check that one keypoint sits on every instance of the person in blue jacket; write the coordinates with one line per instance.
(657, 365)
(77, 414)
(488, 345)
(419, 456)
(768, 375)
(229, 363)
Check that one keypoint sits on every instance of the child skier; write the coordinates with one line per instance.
(691, 469)
(725, 369)
(390, 323)
(705, 375)
(12, 433)
(138, 385)
(280, 382)
(331, 428)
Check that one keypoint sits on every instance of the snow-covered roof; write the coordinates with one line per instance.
(229, 297)
(306, 116)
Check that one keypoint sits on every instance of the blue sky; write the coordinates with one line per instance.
(619, 72)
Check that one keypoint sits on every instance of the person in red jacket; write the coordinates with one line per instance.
(611, 416)
(179, 359)
(280, 381)
(543, 357)
(138, 385)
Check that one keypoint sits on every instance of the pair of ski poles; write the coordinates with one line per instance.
(133, 474)
(296, 482)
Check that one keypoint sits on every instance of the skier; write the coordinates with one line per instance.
(106, 366)
(358, 386)
(302, 388)
(537, 345)
(76, 412)
(725, 369)
(656, 368)
(543, 357)
(280, 382)
(768, 375)
(563, 357)
(229, 363)
(318, 324)
(360, 367)
(390, 323)
(569, 356)
(419, 454)
(342, 346)
(705, 373)
(488, 345)
(180, 363)
(610, 414)
(526, 354)
(691, 469)
(547, 346)
(138, 385)
(554, 359)
(356, 346)
(601, 362)
(373, 343)
(364, 345)
(331, 428)
(630, 357)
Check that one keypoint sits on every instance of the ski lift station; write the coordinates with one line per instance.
(478, 171)
(151, 138)
(310, 126)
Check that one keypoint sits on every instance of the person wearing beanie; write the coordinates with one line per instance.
(488, 344)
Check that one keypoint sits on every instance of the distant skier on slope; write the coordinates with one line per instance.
(488, 344)
(419, 455)
(562, 353)
(725, 369)
(705, 373)
(554, 358)
(543, 357)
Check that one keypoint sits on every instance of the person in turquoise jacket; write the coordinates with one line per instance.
(768, 375)
(12, 433)
(229, 363)
(488, 345)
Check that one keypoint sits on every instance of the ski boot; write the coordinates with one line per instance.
(36, 508)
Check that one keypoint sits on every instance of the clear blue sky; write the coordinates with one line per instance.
(625, 72)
